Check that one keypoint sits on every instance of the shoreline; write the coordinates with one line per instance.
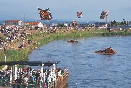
(41, 37)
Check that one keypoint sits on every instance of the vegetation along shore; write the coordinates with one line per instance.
(36, 38)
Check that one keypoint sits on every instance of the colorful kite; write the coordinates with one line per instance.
(45, 14)
(79, 14)
(104, 14)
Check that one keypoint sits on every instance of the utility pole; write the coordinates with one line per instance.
(106, 20)
(24, 21)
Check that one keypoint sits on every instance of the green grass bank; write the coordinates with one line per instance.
(42, 38)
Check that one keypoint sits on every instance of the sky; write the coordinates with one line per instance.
(66, 9)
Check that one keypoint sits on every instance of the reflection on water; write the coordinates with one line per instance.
(88, 69)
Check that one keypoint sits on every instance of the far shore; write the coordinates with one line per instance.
(41, 37)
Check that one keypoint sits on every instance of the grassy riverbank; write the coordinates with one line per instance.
(40, 38)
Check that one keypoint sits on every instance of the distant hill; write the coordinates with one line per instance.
(1, 22)
(92, 22)
(65, 21)
(55, 21)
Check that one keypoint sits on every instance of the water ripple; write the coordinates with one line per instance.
(87, 69)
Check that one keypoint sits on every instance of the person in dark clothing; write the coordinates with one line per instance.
(18, 80)
(37, 77)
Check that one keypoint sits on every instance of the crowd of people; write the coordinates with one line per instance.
(11, 33)
(14, 32)
(42, 77)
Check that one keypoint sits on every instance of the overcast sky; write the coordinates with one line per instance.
(66, 9)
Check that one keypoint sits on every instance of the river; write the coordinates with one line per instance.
(86, 68)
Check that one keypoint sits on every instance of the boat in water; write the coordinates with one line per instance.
(107, 51)
(47, 76)
(72, 41)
